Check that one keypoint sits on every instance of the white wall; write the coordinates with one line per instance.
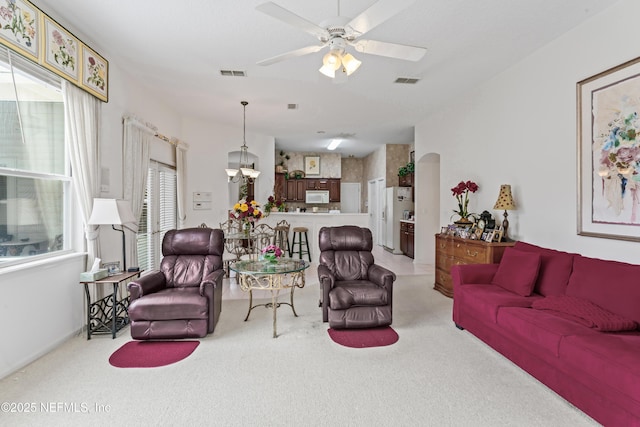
(207, 158)
(520, 129)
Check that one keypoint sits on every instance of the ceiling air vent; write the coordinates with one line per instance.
(292, 106)
(406, 80)
(233, 73)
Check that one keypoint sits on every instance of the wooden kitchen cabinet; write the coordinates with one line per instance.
(334, 190)
(280, 187)
(407, 238)
(455, 250)
(296, 190)
(317, 183)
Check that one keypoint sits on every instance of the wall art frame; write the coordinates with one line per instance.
(94, 72)
(60, 51)
(608, 148)
(20, 28)
(312, 165)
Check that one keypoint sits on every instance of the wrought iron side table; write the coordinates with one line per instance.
(108, 314)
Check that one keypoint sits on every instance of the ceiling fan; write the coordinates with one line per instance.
(340, 32)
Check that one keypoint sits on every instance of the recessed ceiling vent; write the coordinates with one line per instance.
(233, 73)
(406, 80)
(292, 106)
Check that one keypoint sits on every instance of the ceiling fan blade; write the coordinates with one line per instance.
(391, 50)
(288, 17)
(376, 15)
(291, 54)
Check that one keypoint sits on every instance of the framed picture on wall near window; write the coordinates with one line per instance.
(61, 51)
(312, 165)
(20, 28)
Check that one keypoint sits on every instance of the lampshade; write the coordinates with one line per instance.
(350, 63)
(505, 199)
(111, 211)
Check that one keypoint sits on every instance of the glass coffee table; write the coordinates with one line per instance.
(284, 273)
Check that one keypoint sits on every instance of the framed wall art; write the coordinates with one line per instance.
(61, 51)
(94, 73)
(609, 153)
(20, 28)
(312, 165)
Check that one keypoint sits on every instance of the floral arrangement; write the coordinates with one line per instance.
(272, 202)
(461, 193)
(246, 212)
(272, 252)
(20, 23)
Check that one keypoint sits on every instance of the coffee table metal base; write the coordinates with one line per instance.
(273, 283)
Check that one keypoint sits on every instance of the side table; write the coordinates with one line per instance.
(109, 314)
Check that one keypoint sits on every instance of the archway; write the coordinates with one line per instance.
(427, 210)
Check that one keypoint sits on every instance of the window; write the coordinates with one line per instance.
(34, 171)
(158, 214)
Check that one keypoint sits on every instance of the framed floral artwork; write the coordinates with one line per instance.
(95, 73)
(20, 27)
(312, 165)
(61, 51)
(609, 153)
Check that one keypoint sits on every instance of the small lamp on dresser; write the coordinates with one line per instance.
(505, 202)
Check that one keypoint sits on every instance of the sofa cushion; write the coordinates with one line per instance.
(555, 268)
(585, 312)
(347, 294)
(614, 286)
(170, 304)
(483, 301)
(517, 271)
(539, 328)
(611, 358)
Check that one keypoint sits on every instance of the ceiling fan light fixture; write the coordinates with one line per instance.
(328, 71)
(350, 63)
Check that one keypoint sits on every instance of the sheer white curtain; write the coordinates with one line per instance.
(181, 168)
(82, 130)
(137, 142)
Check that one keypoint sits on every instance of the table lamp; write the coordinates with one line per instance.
(114, 212)
(505, 202)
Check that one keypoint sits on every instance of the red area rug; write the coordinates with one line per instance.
(151, 354)
(362, 338)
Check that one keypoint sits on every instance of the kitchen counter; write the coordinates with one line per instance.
(409, 221)
(314, 222)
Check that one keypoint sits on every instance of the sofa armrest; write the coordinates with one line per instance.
(212, 280)
(476, 274)
(147, 284)
(381, 276)
(327, 280)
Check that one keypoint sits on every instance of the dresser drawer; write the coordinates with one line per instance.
(471, 254)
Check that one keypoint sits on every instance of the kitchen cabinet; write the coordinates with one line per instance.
(455, 250)
(334, 190)
(317, 183)
(280, 187)
(296, 189)
(407, 238)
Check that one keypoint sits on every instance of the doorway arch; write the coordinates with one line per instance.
(427, 209)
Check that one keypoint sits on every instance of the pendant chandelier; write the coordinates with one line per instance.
(246, 172)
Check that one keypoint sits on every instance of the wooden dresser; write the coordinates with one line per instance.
(454, 250)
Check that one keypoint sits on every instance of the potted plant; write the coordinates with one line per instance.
(282, 165)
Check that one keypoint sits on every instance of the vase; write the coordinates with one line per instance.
(271, 257)
(247, 228)
(464, 221)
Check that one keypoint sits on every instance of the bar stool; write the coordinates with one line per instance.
(281, 238)
(300, 232)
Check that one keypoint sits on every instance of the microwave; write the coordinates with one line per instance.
(317, 196)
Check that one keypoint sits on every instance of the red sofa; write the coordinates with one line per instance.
(568, 320)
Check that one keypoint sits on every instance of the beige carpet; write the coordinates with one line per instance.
(435, 375)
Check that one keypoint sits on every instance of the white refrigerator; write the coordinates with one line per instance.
(397, 201)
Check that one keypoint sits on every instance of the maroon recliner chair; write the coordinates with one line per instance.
(356, 293)
(184, 298)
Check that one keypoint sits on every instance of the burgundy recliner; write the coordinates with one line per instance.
(356, 293)
(184, 298)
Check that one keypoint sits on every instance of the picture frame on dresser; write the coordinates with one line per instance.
(608, 135)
